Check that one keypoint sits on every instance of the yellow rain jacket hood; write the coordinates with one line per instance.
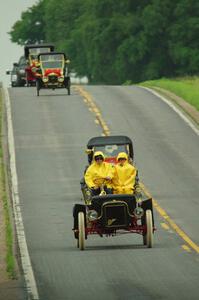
(122, 155)
(96, 173)
(124, 177)
(97, 153)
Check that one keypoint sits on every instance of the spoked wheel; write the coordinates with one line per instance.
(149, 233)
(37, 87)
(81, 228)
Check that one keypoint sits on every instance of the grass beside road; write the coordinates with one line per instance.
(10, 261)
(186, 88)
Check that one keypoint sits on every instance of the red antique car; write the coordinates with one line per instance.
(52, 72)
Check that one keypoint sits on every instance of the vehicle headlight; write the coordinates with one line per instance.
(138, 212)
(14, 77)
(45, 79)
(22, 71)
(61, 79)
(92, 215)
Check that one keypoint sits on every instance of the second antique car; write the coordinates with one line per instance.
(31, 53)
(52, 72)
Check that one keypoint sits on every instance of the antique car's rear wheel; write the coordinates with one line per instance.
(144, 239)
(27, 83)
(149, 225)
(81, 228)
(38, 87)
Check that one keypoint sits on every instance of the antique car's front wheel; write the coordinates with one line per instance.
(81, 228)
(68, 87)
(149, 226)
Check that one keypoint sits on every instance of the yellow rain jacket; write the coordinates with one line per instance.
(124, 177)
(95, 174)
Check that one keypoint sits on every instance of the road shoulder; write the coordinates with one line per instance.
(185, 106)
(10, 288)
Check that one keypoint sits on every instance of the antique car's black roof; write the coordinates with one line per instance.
(39, 46)
(109, 140)
(29, 46)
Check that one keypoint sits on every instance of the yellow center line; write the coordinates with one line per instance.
(172, 224)
(106, 132)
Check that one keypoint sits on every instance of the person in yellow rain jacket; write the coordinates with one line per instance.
(98, 174)
(124, 176)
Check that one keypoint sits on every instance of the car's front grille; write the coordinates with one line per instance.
(52, 78)
(115, 216)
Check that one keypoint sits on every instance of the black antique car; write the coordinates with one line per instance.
(111, 214)
(52, 71)
(31, 52)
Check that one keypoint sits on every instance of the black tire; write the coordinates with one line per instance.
(144, 239)
(68, 84)
(37, 87)
(68, 90)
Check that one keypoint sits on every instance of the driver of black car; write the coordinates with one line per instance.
(99, 174)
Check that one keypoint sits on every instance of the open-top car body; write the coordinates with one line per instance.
(111, 215)
(31, 53)
(53, 72)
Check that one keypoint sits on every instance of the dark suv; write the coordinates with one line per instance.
(18, 75)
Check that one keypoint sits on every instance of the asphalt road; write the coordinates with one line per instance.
(51, 132)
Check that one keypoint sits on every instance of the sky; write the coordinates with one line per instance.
(10, 12)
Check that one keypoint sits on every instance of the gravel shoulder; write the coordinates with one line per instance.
(10, 289)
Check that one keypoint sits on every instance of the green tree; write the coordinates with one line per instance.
(112, 41)
(30, 29)
(184, 32)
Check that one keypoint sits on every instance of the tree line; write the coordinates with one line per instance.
(114, 41)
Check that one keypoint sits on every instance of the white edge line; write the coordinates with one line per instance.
(174, 108)
(25, 258)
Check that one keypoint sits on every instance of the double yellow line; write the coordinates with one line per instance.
(170, 223)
